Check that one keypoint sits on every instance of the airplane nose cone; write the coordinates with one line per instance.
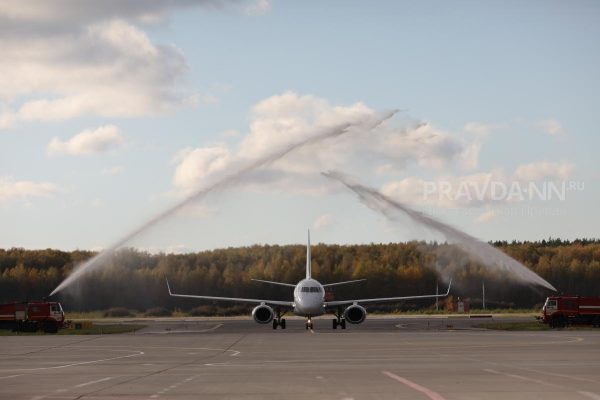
(309, 304)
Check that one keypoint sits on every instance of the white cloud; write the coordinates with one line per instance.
(59, 13)
(196, 165)
(112, 171)
(549, 126)
(544, 170)
(281, 120)
(448, 191)
(72, 58)
(323, 221)
(477, 128)
(11, 190)
(469, 158)
(97, 203)
(486, 216)
(110, 69)
(96, 141)
(230, 133)
(258, 7)
(480, 189)
(426, 145)
(197, 210)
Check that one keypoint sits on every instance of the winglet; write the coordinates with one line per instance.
(168, 287)
(308, 261)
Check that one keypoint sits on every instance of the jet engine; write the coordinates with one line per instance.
(355, 314)
(263, 314)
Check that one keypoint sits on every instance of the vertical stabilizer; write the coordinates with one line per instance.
(308, 271)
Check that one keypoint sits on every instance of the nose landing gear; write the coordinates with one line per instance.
(309, 324)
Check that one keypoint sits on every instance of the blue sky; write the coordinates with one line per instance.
(114, 111)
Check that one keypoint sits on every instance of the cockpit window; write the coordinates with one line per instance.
(551, 303)
(311, 289)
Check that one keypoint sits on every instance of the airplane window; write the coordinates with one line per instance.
(306, 289)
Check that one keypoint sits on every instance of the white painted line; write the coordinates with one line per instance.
(235, 353)
(523, 378)
(173, 386)
(10, 376)
(590, 395)
(537, 371)
(215, 327)
(92, 382)
(427, 392)
(139, 353)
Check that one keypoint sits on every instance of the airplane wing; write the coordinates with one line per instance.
(342, 283)
(274, 283)
(234, 299)
(385, 299)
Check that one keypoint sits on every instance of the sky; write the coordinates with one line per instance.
(113, 111)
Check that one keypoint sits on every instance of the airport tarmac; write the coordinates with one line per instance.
(384, 358)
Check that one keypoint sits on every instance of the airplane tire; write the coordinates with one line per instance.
(282, 324)
(274, 324)
(343, 323)
(334, 323)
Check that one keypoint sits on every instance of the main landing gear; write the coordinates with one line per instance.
(339, 320)
(279, 321)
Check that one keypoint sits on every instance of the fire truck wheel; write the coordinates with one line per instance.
(50, 327)
(558, 322)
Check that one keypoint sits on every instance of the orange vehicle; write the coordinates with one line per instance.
(561, 311)
(32, 316)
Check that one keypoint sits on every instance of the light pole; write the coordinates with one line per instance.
(483, 294)
(436, 293)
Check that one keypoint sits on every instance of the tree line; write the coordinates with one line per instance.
(136, 279)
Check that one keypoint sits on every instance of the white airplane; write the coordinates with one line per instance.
(309, 301)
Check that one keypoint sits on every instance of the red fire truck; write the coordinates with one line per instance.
(561, 311)
(32, 316)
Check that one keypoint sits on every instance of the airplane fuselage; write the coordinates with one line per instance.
(309, 298)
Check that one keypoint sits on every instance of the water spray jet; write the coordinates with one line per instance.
(480, 251)
(229, 179)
